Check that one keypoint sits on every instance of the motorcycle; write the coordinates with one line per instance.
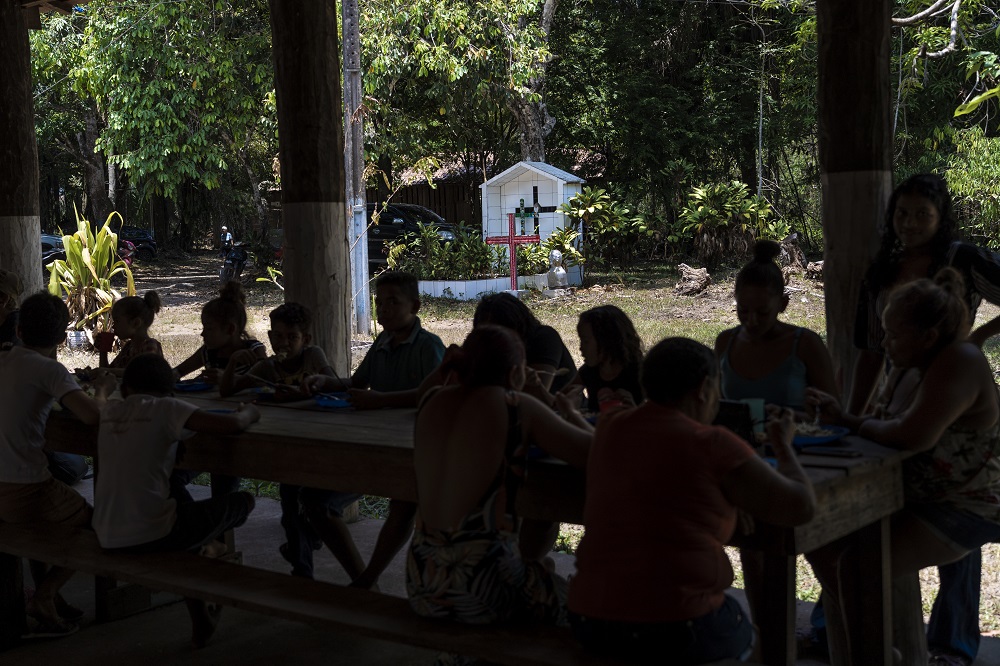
(233, 263)
(126, 252)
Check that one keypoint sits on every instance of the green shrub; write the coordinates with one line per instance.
(611, 233)
(84, 278)
(469, 257)
(722, 221)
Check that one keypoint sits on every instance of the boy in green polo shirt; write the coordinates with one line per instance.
(401, 357)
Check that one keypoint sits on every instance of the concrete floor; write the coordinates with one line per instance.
(162, 634)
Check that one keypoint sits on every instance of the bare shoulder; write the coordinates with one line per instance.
(964, 353)
(811, 343)
(722, 340)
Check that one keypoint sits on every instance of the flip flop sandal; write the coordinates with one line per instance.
(68, 612)
(51, 630)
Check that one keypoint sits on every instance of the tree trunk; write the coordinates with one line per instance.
(20, 224)
(311, 141)
(158, 219)
(855, 150)
(533, 119)
(99, 204)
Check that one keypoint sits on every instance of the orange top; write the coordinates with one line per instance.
(656, 518)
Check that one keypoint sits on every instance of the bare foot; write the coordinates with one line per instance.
(42, 609)
(213, 549)
(204, 619)
(66, 610)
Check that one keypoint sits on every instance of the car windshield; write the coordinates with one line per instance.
(422, 215)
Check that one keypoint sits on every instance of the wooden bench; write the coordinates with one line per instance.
(362, 612)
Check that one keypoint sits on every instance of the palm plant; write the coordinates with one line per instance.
(84, 278)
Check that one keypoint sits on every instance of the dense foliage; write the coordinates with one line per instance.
(168, 109)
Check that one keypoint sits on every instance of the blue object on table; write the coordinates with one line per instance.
(333, 401)
(536, 452)
(221, 411)
(835, 433)
(192, 385)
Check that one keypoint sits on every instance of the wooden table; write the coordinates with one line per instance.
(372, 452)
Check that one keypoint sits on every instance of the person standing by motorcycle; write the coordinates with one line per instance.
(225, 242)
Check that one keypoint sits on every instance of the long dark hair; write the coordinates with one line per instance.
(229, 307)
(615, 334)
(885, 267)
(486, 357)
(505, 310)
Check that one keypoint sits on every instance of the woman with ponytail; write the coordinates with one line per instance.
(765, 357)
(471, 438)
(951, 425)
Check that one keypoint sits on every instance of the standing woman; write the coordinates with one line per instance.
(919, 238)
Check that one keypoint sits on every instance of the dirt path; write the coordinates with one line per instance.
(185, 280)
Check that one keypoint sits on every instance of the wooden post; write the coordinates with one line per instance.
(354, 168)
(311, 143)
(20, 225)
(855, 144)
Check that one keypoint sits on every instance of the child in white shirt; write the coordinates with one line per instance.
(137, 447)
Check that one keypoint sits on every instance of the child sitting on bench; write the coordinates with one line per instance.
(137, 447)
(31, 380)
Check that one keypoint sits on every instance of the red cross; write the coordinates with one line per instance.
(511, 240)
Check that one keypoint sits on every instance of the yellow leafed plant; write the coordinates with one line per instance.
(84, 278)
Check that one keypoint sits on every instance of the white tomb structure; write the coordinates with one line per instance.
(531, 191)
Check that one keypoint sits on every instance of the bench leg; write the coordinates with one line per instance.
(908, 619)
(776, 620)
(873, 624)
(114, 601)
(13, 623)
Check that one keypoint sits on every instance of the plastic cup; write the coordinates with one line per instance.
(104, 341)
(756, 412)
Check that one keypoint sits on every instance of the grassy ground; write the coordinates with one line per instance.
(647, 295)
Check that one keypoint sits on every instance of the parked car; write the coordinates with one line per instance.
(52, 249)
(395, 219)
(145, 245)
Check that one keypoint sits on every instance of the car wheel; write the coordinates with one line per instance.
(145, 254)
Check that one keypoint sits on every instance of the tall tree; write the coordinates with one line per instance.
(187, 91)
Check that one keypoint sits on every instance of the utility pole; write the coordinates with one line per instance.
(354, 169)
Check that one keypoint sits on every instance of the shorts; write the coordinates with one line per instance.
(335, 501)
(725, 633)
(960, 529)
(199, 523)
(48, 501)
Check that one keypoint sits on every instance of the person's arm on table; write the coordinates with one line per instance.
(230, 382)
(554, 434)
(190, 364)
(944, 396)
(84, 407)
(782, 497)
(223, 424)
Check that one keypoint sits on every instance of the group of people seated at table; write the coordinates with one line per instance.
(651, 578)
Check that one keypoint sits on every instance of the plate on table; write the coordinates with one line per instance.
(193, 385)
(333, 401)
(824, 434)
